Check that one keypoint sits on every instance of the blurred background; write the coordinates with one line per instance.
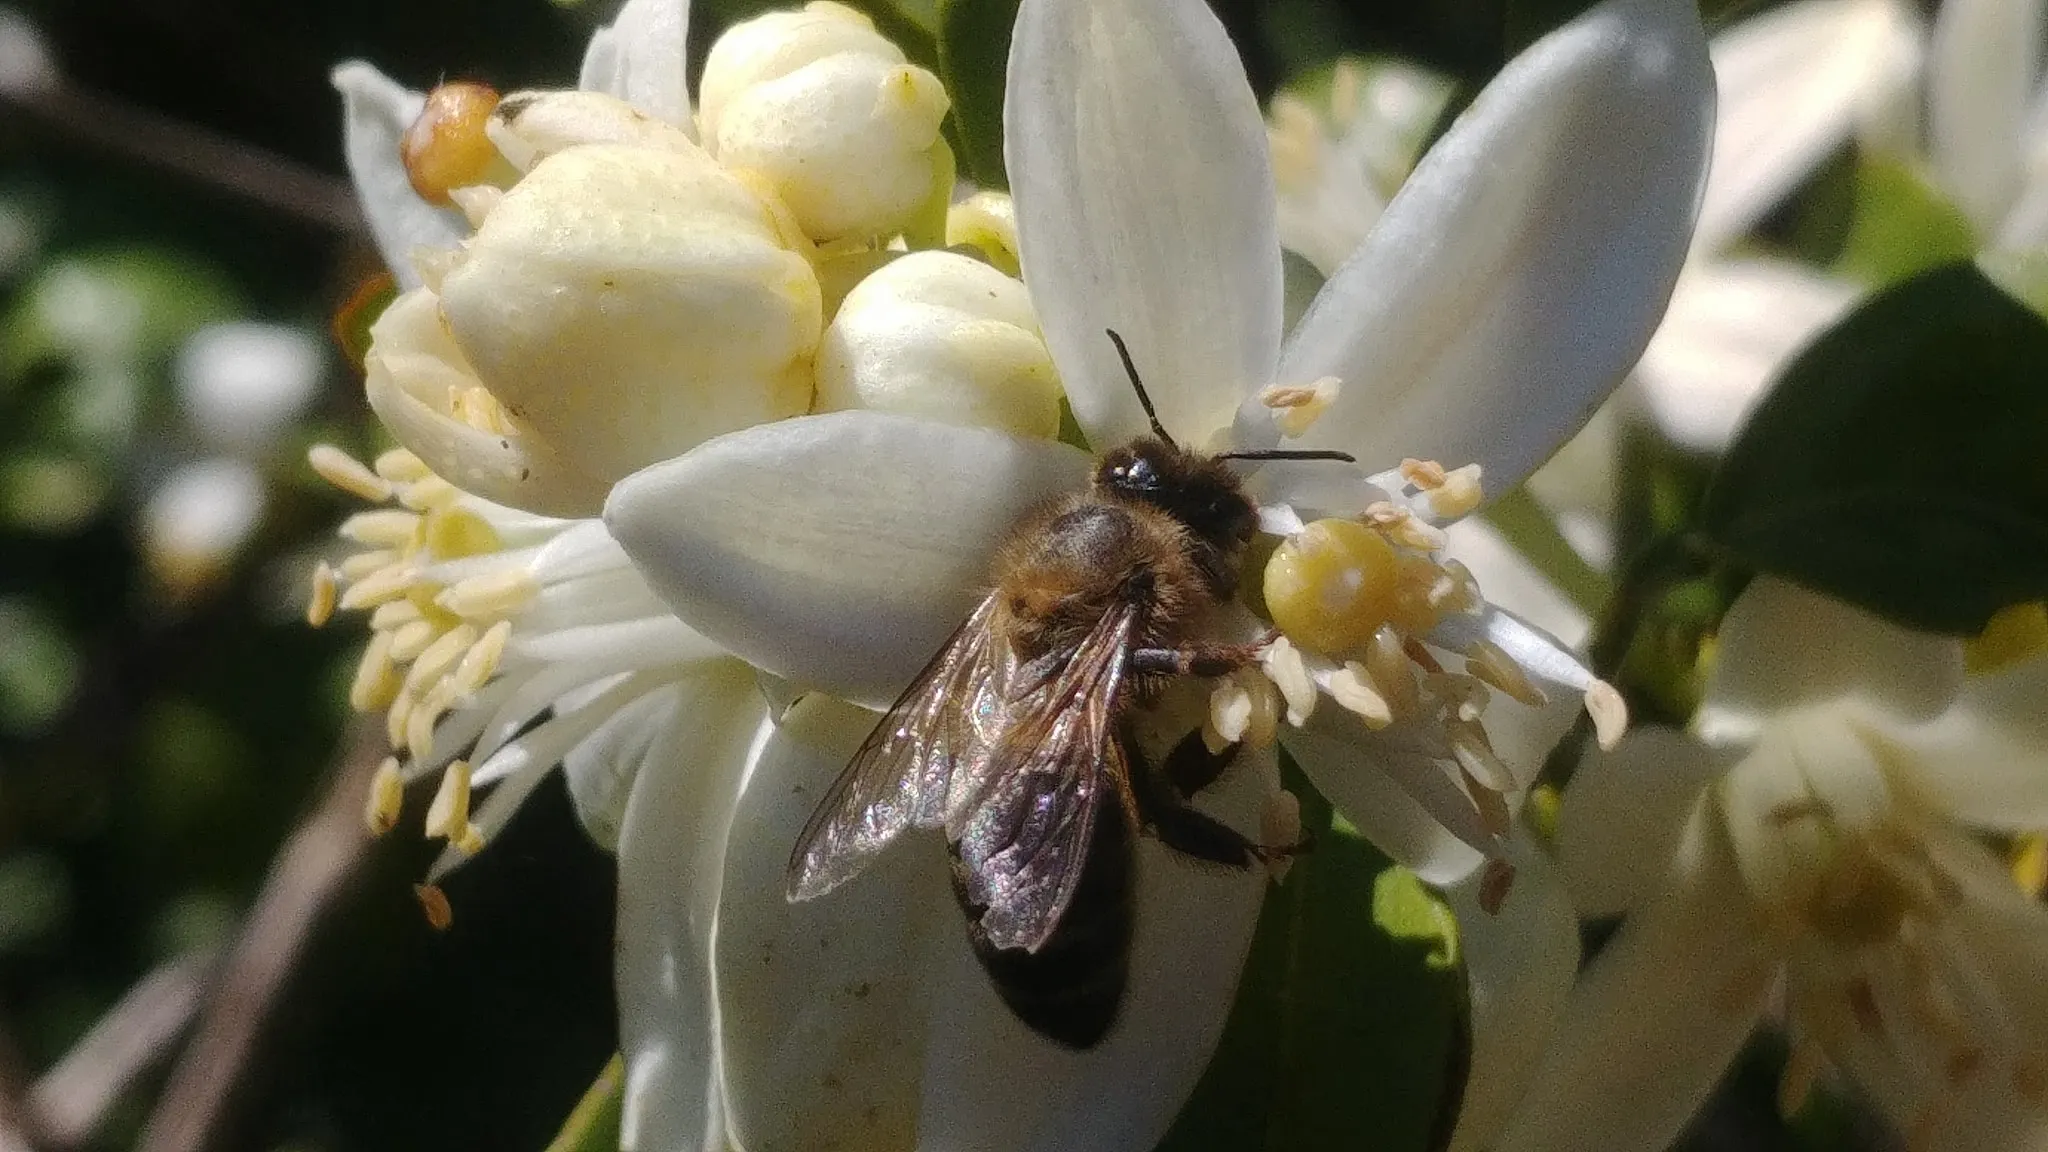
(176, 762)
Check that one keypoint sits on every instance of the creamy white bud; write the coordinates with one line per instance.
(629, 303)
(988, 221)
(529, 127)
(828, 111)
(942, 336)
(424, 390)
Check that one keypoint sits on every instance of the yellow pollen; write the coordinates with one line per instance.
(480, 663)
(1352, 687)
(410, 639)
(428, 494)
(455, 532)
(382, 528)
(1296, 407)
(385, 584)
(434, 903)
(347, 473)
(1491, 665)
(500, 593)
(400, 466)
(1609, 712)
(1331, 585)
(439, 657)
(448, 815)
(376, 681)
(1802, 1070)
(320, 606)
(386, 798)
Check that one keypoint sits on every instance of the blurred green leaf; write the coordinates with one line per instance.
(1524, 22)
(1899, 225)
(51, 492)
(118, 306)
(39, 667)
(594, 1124)
(35, 900)
(1898, 463)
(1345, 1022)
(910, 26)
(974, 52)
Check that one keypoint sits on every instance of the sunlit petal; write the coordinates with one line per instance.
(1624, 812)
(376, 111)
(1523, 265)
(836, 551)
(1398, 798)
(639, 57)
(1145, 204)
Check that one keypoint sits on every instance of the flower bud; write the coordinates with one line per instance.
(942, 336)
(629, 303)
(829, 112)
(424, 390)
(988, 221)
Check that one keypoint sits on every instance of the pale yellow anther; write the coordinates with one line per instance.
(1459, 493)
(439, 658)
(428, 494)
(396, 715)
(1351, 686)
(1331, 585)
(1490, 804)
(434, 903)
(420, 722)
(1426, 475)
(1609, 713)
(387, 797)
(1280, 827)
(1803, 1065)
(320, 605)
(382, 528)
(393, 615)
(1475, 754)
(1491, 665)
(480, 663)
(499, 593)
(454, 532)
(400, 466)
(410, 639)
(1230, 714)
(448, 815)
(1289, 673)
(362, 564)
(1386, 658)
(376, 681)
(1464, 697)
(387, 583)
(1296, 407)
(1244, 708)
(1403, 527)
(348, 473)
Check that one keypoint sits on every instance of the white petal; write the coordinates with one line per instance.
(601, 769)
(1522, 267)
(670, 849)
(1144, 198)
(1982, 66)
(1511, 581)
(1732, 327)
(375, 112)
(1987, 756)
(1781, 646)
(1520, 962)
(1793, 82)
(1624, 813)
(992, 1085)
(1399, 800)
(837, 551)
(639, 57)
(821, 1012)
(1652, 1023)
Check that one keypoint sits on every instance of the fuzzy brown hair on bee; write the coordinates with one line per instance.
(1016, 738)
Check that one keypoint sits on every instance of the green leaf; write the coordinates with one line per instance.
(1898, 464)
(593, 1126)
(1348, 1016)
(908, 26)
(974, 50)
(1899, 225)
(1526, 21)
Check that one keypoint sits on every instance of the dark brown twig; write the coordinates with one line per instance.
(308, 872)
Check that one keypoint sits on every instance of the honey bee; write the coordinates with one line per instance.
(1016, 738)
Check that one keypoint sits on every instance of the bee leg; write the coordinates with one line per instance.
(1197, 659)
(1191, 767)
(1182, 827)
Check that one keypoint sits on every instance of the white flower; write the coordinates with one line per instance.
(1987, 138)
(1817, 827)
(1503, 293)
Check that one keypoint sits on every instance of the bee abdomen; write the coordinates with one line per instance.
(1068, 990)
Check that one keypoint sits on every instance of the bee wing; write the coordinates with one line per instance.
(1025, 838)
(900, 775)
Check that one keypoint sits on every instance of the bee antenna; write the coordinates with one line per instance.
(1289, 454)
(1144, 400)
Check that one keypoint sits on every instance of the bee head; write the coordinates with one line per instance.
(1199, 491)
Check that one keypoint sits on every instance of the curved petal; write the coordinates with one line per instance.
(821, 1012)
(1986, 757)
(375, 112)
(640, 58)
(992, 1085)
(1781, 646)
(1519, 961)
(1652, 1022)
(600, 770)
(1508, 579)
(1982, 66)
(1624, 813)
(1732, 326)
(670, 847)
(1523, 265)
(1397, 798)
(1793, 81)
(836, 551)
(1144, 198)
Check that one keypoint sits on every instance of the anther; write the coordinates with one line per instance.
(480, 663)
(410, 639)
(320, 605)
(439, 657)
(387, 797)
(434, 903)
(1475, 754)
(387, 583)
(1425, 475)
(499, 593)
(376, 681)
(430, 493)
(448, 815)
(382, 528)
(1459, 493)
(400, 466)
(362, 564)
(1296, 407)
(1609, 712)
(1490, 664)
(347, 473)
(1289, 674)
(1351, 686)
